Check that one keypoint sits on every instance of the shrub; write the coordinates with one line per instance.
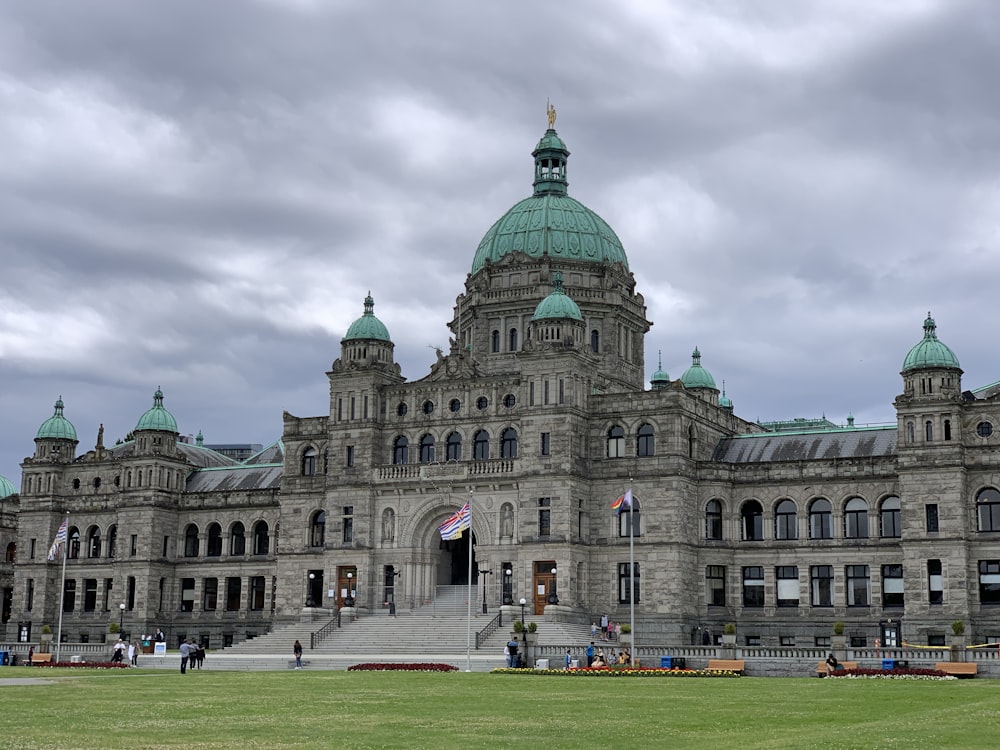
(958, 627)
(838, 628)
(730, 628)
(532, 627)
(626, 629)
(518, 626)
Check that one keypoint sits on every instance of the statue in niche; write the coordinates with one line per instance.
(388, 525)
(506, 520)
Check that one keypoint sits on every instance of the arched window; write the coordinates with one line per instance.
(616, 442)
(752, 521)
(10, 555)
(113, 540)
(508, 443)
(214, 546)
(512, 340)
(630, 519)
(94, 542)
(595, 341)
(191, 541)
(261, 540)
(929, 431)
(73, 550)
(317, 529)
(947, 429)
(427, 449)
(237, 540)
(401, 450)
(454, 447)
(481, 446)
(495, 341)
(309, 462)
(644, 441)
(713, 520)
(988, 509)
(889, 519)
(856, 519)
(820, 519)
(786, 521)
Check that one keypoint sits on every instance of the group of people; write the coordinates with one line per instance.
(608, 629)
(122, 650)
(192, 654)
(597, 658)
(511, 655)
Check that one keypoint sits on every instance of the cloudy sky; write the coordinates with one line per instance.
(199, 195)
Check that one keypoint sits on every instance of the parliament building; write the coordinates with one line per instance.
(539, 415)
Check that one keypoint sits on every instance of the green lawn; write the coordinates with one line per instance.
(158, 709)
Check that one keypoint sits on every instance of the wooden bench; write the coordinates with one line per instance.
(958, 668)
(821, 668)
(725, 665)
(41, 658)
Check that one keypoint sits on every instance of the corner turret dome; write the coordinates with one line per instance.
(367, 327)
(558, 304)
(697, 376)
(157, 418)
(660, 378)
(550, 223)
(57, 427)
(724, 401)
(930, 353)
(6, 487)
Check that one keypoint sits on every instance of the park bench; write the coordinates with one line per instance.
(821, 668)
(958, 668)
(725, 665)
(41, 658)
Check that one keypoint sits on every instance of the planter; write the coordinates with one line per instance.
(729, 639)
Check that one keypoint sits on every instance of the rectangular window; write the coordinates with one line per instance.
(31, 549)
(753, 586)
(859, 641)
(822, 641)
(348, 535)
(989, 581)
(787, 577)
(531, 393)
(90, 595)
(821, 585)
(545, 392)
(130, 593)
(626, 582)
(166, 546)
(352, 407)
(69, 595)
(365, 416)
(257, 590)
(133, 545)
(544, 516)
(545, 443)
(187, 595)
(858, 586)
(233, 594)
(892, 585)
(787, 641)
(562, 391)
(210, 594)
(109, 586)
(350, 457)
(931, 513)
(936, 640)
(935, 582)
(29, 594)
(715, 585)
(340, 409)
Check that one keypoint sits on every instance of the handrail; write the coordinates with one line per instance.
(318, 636)
(491, 627)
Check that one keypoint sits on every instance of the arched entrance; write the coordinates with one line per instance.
(453, 569)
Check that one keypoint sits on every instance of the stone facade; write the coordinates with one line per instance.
(540, 422)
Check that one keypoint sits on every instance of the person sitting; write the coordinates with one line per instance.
(832, 664)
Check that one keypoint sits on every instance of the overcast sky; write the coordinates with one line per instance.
(199, 195)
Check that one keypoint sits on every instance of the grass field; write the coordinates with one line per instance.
(157, 709)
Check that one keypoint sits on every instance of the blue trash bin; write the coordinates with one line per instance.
(4, 658)
(888, 664)
(666, 662)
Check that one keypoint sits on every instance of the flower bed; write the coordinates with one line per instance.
(622, 671)
(891, 674)
(82, 665)
(420, 667)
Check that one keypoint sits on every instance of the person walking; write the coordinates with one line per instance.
(604, 627)
(185, 655)
(568, 660)
(590, 654)
(131, 653)
(297, 650)
(198, 655)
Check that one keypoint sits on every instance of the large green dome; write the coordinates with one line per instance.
(157, 418)
(7, 488)
(558, 305)
(930, 352)
(550, 223)
(367, 326)
(57, 427)
(697, 376)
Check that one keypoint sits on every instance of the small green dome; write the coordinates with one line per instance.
(550, 223)
(697, 376)
(57, 427)
(7, 488)
(558, 304)
(930, 352)
(157, 418)
(367, 326)
(660, 378)
(724, 400)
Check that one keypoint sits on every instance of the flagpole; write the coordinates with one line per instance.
(62, 589)
(631, 571)
(468, 632)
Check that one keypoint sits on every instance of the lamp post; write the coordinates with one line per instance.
(524, 630)
(121, 620)
(485, 573)
(508, 586)
(349, 599)
(553, 597)
(392, 593)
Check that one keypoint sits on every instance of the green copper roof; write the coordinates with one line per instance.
(367, 326)
(550, 222)
(558, 304)
(6, 487)
(57, 427)
(724, 400)
(697, 376)
(930, 352)
(157, 418)
(660, 378)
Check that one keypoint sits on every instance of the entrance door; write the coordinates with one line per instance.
(347, 585)
(890, 633)
(314, 588)
(544, 584)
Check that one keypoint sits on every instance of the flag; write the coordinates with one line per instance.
(59, 541)
(623, 503)
(456, 524)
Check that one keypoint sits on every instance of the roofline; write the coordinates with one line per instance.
(818, 431)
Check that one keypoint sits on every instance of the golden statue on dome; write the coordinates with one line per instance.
(551, 112)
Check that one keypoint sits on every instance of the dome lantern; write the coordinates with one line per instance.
(930, 352)
(57, 427)
(157, 417)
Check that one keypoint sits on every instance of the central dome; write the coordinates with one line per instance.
(550, 223)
